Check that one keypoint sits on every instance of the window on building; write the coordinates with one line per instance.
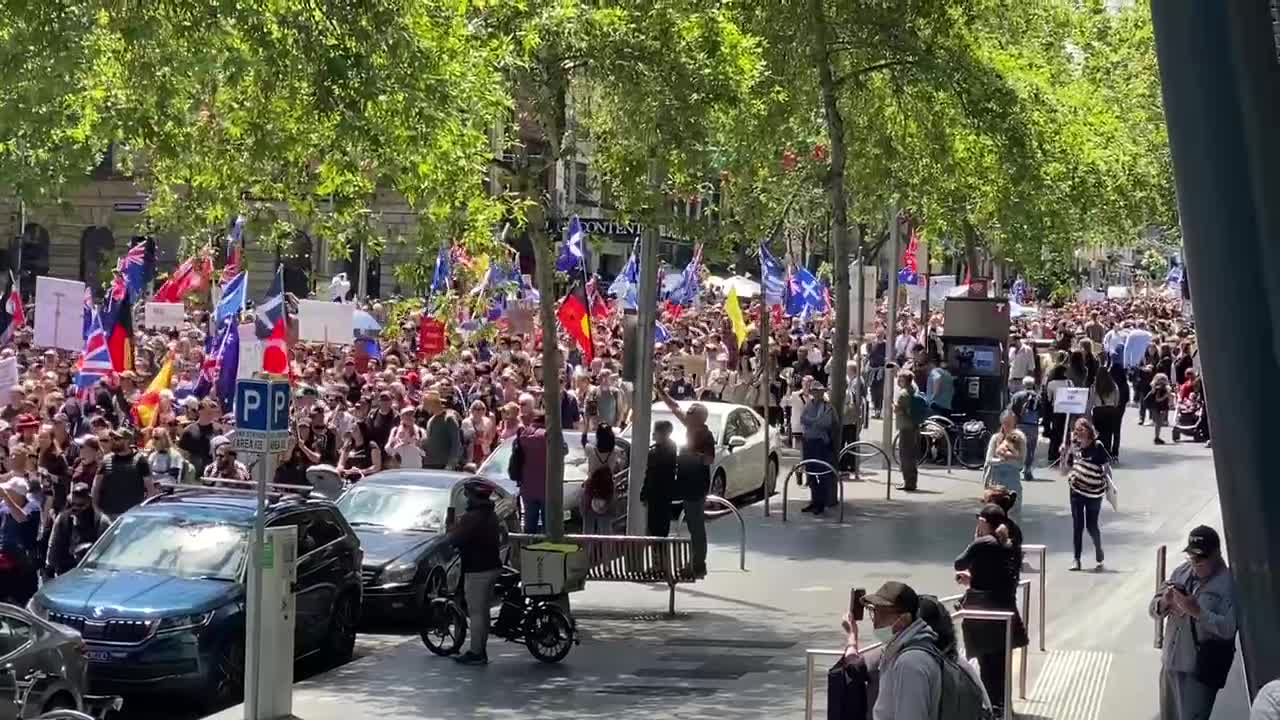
(97, 244)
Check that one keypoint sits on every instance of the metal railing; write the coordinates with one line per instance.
(1005, 616)
(799, 467)
(730, 508)
(1043, 552)
(1162, 555)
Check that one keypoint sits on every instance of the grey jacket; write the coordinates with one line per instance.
(910, 682)
(1217, 598)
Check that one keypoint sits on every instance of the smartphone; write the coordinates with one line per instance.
(856, 609)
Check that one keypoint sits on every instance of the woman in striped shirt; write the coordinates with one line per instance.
(1090, 471)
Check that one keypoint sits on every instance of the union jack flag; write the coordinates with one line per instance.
(133, 268)
(95, 362)
(235, 250)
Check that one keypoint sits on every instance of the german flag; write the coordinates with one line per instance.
(576, 320)
(147, 409)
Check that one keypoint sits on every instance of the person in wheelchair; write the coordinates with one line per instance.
(477, 538)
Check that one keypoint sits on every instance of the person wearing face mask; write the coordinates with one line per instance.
(820, 436)
(79, 524)
(910, 685)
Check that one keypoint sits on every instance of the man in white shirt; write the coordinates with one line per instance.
(1113, 341)
(1135, 345)
(1022, 362)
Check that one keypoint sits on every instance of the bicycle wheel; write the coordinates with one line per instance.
(548, 633)
(971, 451)
(444, 627)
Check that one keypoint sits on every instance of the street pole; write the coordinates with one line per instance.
(551, 362)
(363, 268)
(765, 376)
(264, 470)
(642, 387)
(20, 241)
(891, 383)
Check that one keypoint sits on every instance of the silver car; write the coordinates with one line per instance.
(49, 656)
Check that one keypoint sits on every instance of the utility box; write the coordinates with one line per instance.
(550, 569)
(271, 680)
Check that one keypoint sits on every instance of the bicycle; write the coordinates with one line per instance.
(535, 622)
(943, 441)
(99, 705)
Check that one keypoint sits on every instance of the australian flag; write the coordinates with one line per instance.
(137, 266)
(440, 279)
(806, 294)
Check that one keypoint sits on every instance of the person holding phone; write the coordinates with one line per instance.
(1198, 607)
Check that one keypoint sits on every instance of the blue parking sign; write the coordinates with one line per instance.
(262, 406)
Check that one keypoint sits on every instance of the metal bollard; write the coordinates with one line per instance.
(1162, 553)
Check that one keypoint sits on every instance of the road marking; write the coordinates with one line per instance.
(1070, 687)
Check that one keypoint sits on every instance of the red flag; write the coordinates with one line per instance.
(13, 305)
(275, 359)
(576, 322)
(600, 307)
(190, 277)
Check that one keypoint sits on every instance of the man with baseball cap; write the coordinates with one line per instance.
(1198, 607)
(910, 682)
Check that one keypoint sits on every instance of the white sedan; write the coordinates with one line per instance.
(742, 456)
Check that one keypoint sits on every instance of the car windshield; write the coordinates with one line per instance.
(187, 546)
(396, 508)
(678, 433)
(575, 462)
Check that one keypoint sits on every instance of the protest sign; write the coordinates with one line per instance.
(326, 322)
(8, 373)
(59, 314)
(164, 315)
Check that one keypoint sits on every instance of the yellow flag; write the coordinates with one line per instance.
(148, 405)
(734, 311)
(481, 266)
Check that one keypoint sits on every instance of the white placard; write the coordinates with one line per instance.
(1071, 401)
(1117, 292)
(868, 298)
(8, 373)
(164, 315)
(59, 314)
(326, 322)
(252, 350)
(1089, 295)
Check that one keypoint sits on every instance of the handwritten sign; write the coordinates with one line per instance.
(164, 315)
(1071, 401)
(252, 349)
(59, 314)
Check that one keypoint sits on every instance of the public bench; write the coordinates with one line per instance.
(628, 558)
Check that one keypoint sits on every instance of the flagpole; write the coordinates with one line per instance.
(582, 264)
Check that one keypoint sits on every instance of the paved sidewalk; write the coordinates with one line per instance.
(736, 646)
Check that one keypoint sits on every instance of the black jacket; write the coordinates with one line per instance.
(477, 536)
(68, 533)
(660, 474)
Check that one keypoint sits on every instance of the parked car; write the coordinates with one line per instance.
(495, 469)
(160, 598)
(400, 517)
(741, 452)
(30, 645)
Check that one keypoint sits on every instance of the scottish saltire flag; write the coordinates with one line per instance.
(233, 297)
(573, 253)
(1174, 279)
(690, 281)
(806, 294)
(95, 362)
(271, 312)
(908, 275)
(626, 286)
(773, 278)
(440, 279)
(133, 266)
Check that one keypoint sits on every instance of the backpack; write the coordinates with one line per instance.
(919, 409)
(962, 696)
(848, 697)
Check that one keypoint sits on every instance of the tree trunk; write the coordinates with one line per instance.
(820, 33)
(971, 250)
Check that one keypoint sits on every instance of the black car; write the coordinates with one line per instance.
(400, 517)
(160, 598)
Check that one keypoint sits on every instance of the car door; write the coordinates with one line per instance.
(732, 460)
(327, 568)
(753, 456)
(17, 637)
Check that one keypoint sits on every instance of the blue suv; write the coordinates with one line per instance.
(160, 598)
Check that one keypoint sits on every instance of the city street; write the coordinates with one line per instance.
(736, 646)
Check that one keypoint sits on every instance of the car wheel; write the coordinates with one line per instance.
(227, 683)
(718, 484)
(772, 475)
(61, 701)
(341, 641)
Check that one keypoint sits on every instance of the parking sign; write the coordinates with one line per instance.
(262, 416)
